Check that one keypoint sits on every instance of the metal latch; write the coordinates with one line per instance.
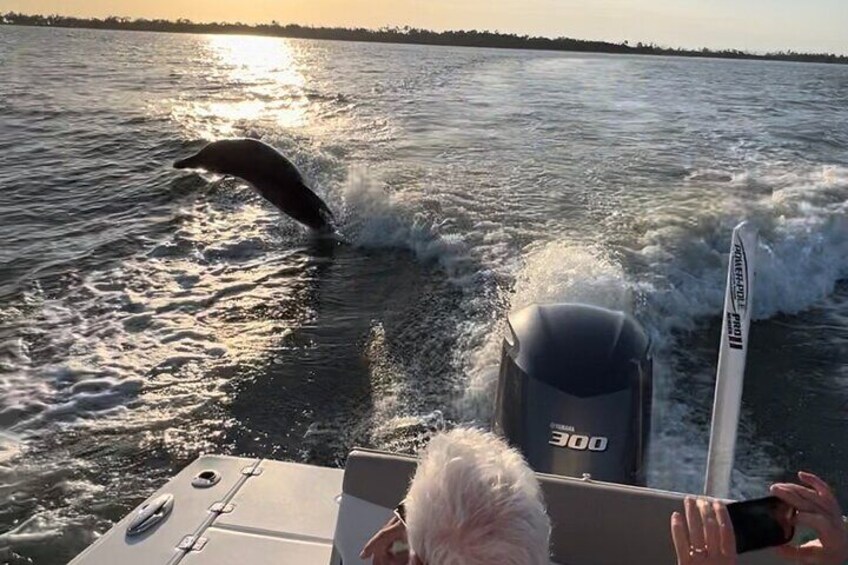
(252, 471)
(151, 514)
(192, 543)
(221, 508)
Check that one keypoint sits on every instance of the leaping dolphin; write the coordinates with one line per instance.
(269, 172)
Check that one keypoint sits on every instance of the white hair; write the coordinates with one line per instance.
(475, 501)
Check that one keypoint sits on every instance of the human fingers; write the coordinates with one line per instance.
(712, 536)
(680, 537)
(381, 541)
(728, 536)
(788, 552)
(695, 524)
(814, 498)
(399, 558)
(376, 544)
(824, 526)
(370, 547)
(822, 489)
(814, 553)
(800, 498)
(389, 558)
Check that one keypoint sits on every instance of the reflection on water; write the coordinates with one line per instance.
(256, 80)
(148, 315)
(256, 58)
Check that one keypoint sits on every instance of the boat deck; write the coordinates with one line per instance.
(267, 512)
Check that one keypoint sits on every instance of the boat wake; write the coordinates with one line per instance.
(672, 279)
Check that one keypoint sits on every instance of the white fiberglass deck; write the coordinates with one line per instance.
(266, 512)
(285, 515)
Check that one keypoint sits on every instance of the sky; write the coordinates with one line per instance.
(754, 25)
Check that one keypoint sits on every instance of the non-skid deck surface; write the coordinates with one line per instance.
(284, 515)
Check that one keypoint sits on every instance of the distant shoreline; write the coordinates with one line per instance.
(407, 35)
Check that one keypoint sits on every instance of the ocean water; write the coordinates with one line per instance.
(148, 315)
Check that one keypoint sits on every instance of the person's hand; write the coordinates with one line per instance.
(381, 546)
(819, 510)
(705, 535)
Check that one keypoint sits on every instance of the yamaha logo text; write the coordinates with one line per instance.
(577, 442)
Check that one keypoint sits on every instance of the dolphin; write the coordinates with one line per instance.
(269, 172)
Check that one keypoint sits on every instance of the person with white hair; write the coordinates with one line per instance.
(473, 501)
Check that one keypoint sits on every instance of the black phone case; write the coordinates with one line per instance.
(760, 523)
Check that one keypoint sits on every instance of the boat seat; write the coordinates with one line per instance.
(594, 523)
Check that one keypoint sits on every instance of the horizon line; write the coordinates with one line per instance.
(404, 34)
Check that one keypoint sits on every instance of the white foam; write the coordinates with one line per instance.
(803, 252)
(48, 523)
(102, 346)
(675, 278)
(710, 175)
(394, 422)
(551, 272)
(157, 319)
(377, 219)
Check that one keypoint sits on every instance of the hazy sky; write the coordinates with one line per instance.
(760, 25)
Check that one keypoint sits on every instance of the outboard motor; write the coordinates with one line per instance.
(574, 392)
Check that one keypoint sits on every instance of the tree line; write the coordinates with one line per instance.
(405, 34)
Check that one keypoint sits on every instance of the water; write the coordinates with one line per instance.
(147, 315)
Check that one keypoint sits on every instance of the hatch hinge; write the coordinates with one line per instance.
(192, 543)
(252, 471)
(221, 508)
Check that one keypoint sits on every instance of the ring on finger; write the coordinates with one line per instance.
(693, 551)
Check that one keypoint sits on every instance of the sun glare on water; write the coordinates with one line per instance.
(253, 82)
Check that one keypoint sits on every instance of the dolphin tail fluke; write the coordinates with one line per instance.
(187, 163)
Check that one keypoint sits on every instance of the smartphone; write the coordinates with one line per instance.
(762, 522)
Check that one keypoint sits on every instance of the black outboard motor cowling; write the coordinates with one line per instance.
(574, 392)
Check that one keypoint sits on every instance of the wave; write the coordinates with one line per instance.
(673, 279)
(803, 251)
(374, 218)
(155, 320)
(165, 316)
